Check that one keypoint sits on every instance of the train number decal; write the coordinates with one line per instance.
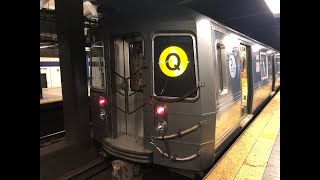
(232, 66)
(173, 61)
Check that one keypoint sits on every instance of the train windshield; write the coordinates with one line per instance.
(263, 63)
(174, 65)
(97, 66)
(135, 61)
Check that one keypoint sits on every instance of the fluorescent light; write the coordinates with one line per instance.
(256, 47)
(230, 42)
(41, 47)
(274, 6)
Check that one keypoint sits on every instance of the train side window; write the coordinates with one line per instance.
(263, 65)
(97, 73)
(277, 65)
(270, 57)
(135, 61)
(222, 65)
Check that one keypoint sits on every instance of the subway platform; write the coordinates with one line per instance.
(51, 95)
(255, 155)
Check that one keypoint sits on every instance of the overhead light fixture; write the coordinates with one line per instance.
(42, 47)
(256, 47)
(274, 6)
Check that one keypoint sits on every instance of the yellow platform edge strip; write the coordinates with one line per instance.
(248, 157)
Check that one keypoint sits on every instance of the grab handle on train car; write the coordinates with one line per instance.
(181, 133)
(173, 157)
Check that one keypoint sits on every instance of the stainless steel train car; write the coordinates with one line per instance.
(172, 87)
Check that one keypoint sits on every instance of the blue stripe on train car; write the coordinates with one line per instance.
(46, 64)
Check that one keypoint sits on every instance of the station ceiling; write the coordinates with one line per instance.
(250, 17)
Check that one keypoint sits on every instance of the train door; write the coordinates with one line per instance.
(244, 58)
(273, 71)
(229, 88)
(128, 72)
(277, 71)
(270, 71)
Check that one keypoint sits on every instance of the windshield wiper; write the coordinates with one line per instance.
(177, 99)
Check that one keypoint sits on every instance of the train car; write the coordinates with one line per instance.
(172, 87)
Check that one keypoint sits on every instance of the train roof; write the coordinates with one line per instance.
(162, 10)
(151, 10)
(242, 35)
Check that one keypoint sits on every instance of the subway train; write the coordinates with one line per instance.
(173, 87)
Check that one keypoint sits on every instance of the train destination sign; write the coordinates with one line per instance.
(173, 61)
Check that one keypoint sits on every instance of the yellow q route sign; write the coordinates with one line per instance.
(173, 61)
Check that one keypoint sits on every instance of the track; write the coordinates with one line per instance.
(154, 173)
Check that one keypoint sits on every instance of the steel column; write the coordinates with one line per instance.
(71, 40)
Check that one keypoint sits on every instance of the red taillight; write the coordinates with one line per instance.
(102, 101)
(161, 110)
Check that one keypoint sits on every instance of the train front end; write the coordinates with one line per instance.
(156, 105)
